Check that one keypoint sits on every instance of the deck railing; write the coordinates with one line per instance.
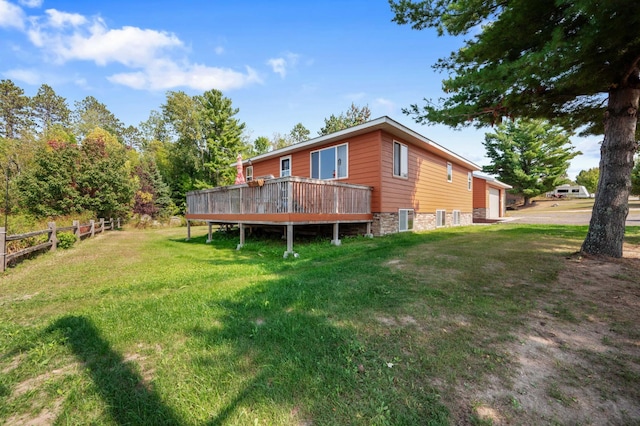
(282, 195)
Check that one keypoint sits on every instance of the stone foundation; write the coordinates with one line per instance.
(480, 213)
(387, 223)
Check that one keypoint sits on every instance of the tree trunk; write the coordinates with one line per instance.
(611, 207)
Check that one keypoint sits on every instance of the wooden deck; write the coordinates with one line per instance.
(284, 201)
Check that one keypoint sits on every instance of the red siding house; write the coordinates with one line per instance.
(380, 174)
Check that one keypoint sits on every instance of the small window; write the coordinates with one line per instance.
(330, 163)
(456, 217)
(441, 216)
(469, 181)
(285, 166)
(249, 173)
(449, 172)
(406, 219)
(400, 160)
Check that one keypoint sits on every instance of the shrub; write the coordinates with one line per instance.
(66, 240)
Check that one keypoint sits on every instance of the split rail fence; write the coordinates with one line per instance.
(81, 231)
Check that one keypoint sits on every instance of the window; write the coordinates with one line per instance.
(249, 173)
(330, 163)
(441, 218)
(400, 160)
(406, 219)
(456, 217)
(449, 172)
(469, 181)
(285, 166)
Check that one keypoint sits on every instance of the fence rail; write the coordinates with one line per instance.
(81, 231)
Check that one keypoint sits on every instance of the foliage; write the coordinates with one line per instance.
(152, 196)
(299, 133)
(14, 110)
(589, 179)
(355, 115)
(68, 178)
(261, 145)
(568, 61)
(66, 240)
(89, 114)
(49, 109)
(532, 156)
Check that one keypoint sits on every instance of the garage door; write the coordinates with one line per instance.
(494, 203)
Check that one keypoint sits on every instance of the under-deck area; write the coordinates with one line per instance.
(286, 201)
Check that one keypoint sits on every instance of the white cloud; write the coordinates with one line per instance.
(27, 76)
(31, 3)
(149, 55)
(219, 50)
(385, 104)
(11, 16)
(59, 19)
(282, 65)
(164, 75)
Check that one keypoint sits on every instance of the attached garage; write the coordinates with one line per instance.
(489, 198)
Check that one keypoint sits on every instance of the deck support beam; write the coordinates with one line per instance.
(369, 234)
(241, 228)
(290, 242)
(336, 234)
(210, 234)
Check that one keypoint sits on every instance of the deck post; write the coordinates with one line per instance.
(336, 235)
(290, 242)
(241, 228)
(188, 230)
(369, 234)
(3, 247)
(210, 235)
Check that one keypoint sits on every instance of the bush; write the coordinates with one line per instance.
(66, 240)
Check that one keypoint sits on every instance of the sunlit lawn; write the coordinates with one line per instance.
(141, 327)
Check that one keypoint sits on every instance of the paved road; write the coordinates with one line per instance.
(560, 217)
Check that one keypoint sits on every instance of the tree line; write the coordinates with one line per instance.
(60, 160)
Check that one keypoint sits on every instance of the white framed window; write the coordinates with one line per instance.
(441, 218)
(469, 181)
(400, 160)
(249, 173)
(405, 219)
(456, 217)
(330, 163)
(285, 166)
(449, 172)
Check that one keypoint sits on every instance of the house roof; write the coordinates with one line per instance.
(493, 181)
(383, 123)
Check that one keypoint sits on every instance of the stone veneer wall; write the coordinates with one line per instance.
(387, 223)
(480, 213)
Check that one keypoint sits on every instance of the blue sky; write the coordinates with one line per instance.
(280, 62)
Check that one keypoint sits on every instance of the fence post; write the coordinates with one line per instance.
(101, 224)
(93, 227)
(118, 223)
(3, 247)
(76, 229)
(111, 224)
(53, 238)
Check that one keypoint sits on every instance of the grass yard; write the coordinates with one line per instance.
(142, 327)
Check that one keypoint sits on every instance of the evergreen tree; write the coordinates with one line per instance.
(354, 116)
(531, 156)
(49, 109)
(14, 110)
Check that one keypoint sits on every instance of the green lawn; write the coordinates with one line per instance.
(142, 327)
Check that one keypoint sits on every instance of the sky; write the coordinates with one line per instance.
(280, 62)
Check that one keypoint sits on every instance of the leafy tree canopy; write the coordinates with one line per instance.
(589, 179)
(531, 156)
(635, 178)
(355, 115)
(14, 110)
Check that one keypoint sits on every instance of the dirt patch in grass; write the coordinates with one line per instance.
(577, 358)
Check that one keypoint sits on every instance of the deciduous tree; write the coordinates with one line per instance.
(589, 179)
(575, 62)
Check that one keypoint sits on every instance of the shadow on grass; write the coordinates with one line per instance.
(130, 400)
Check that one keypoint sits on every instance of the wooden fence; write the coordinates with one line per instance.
(79, 230)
